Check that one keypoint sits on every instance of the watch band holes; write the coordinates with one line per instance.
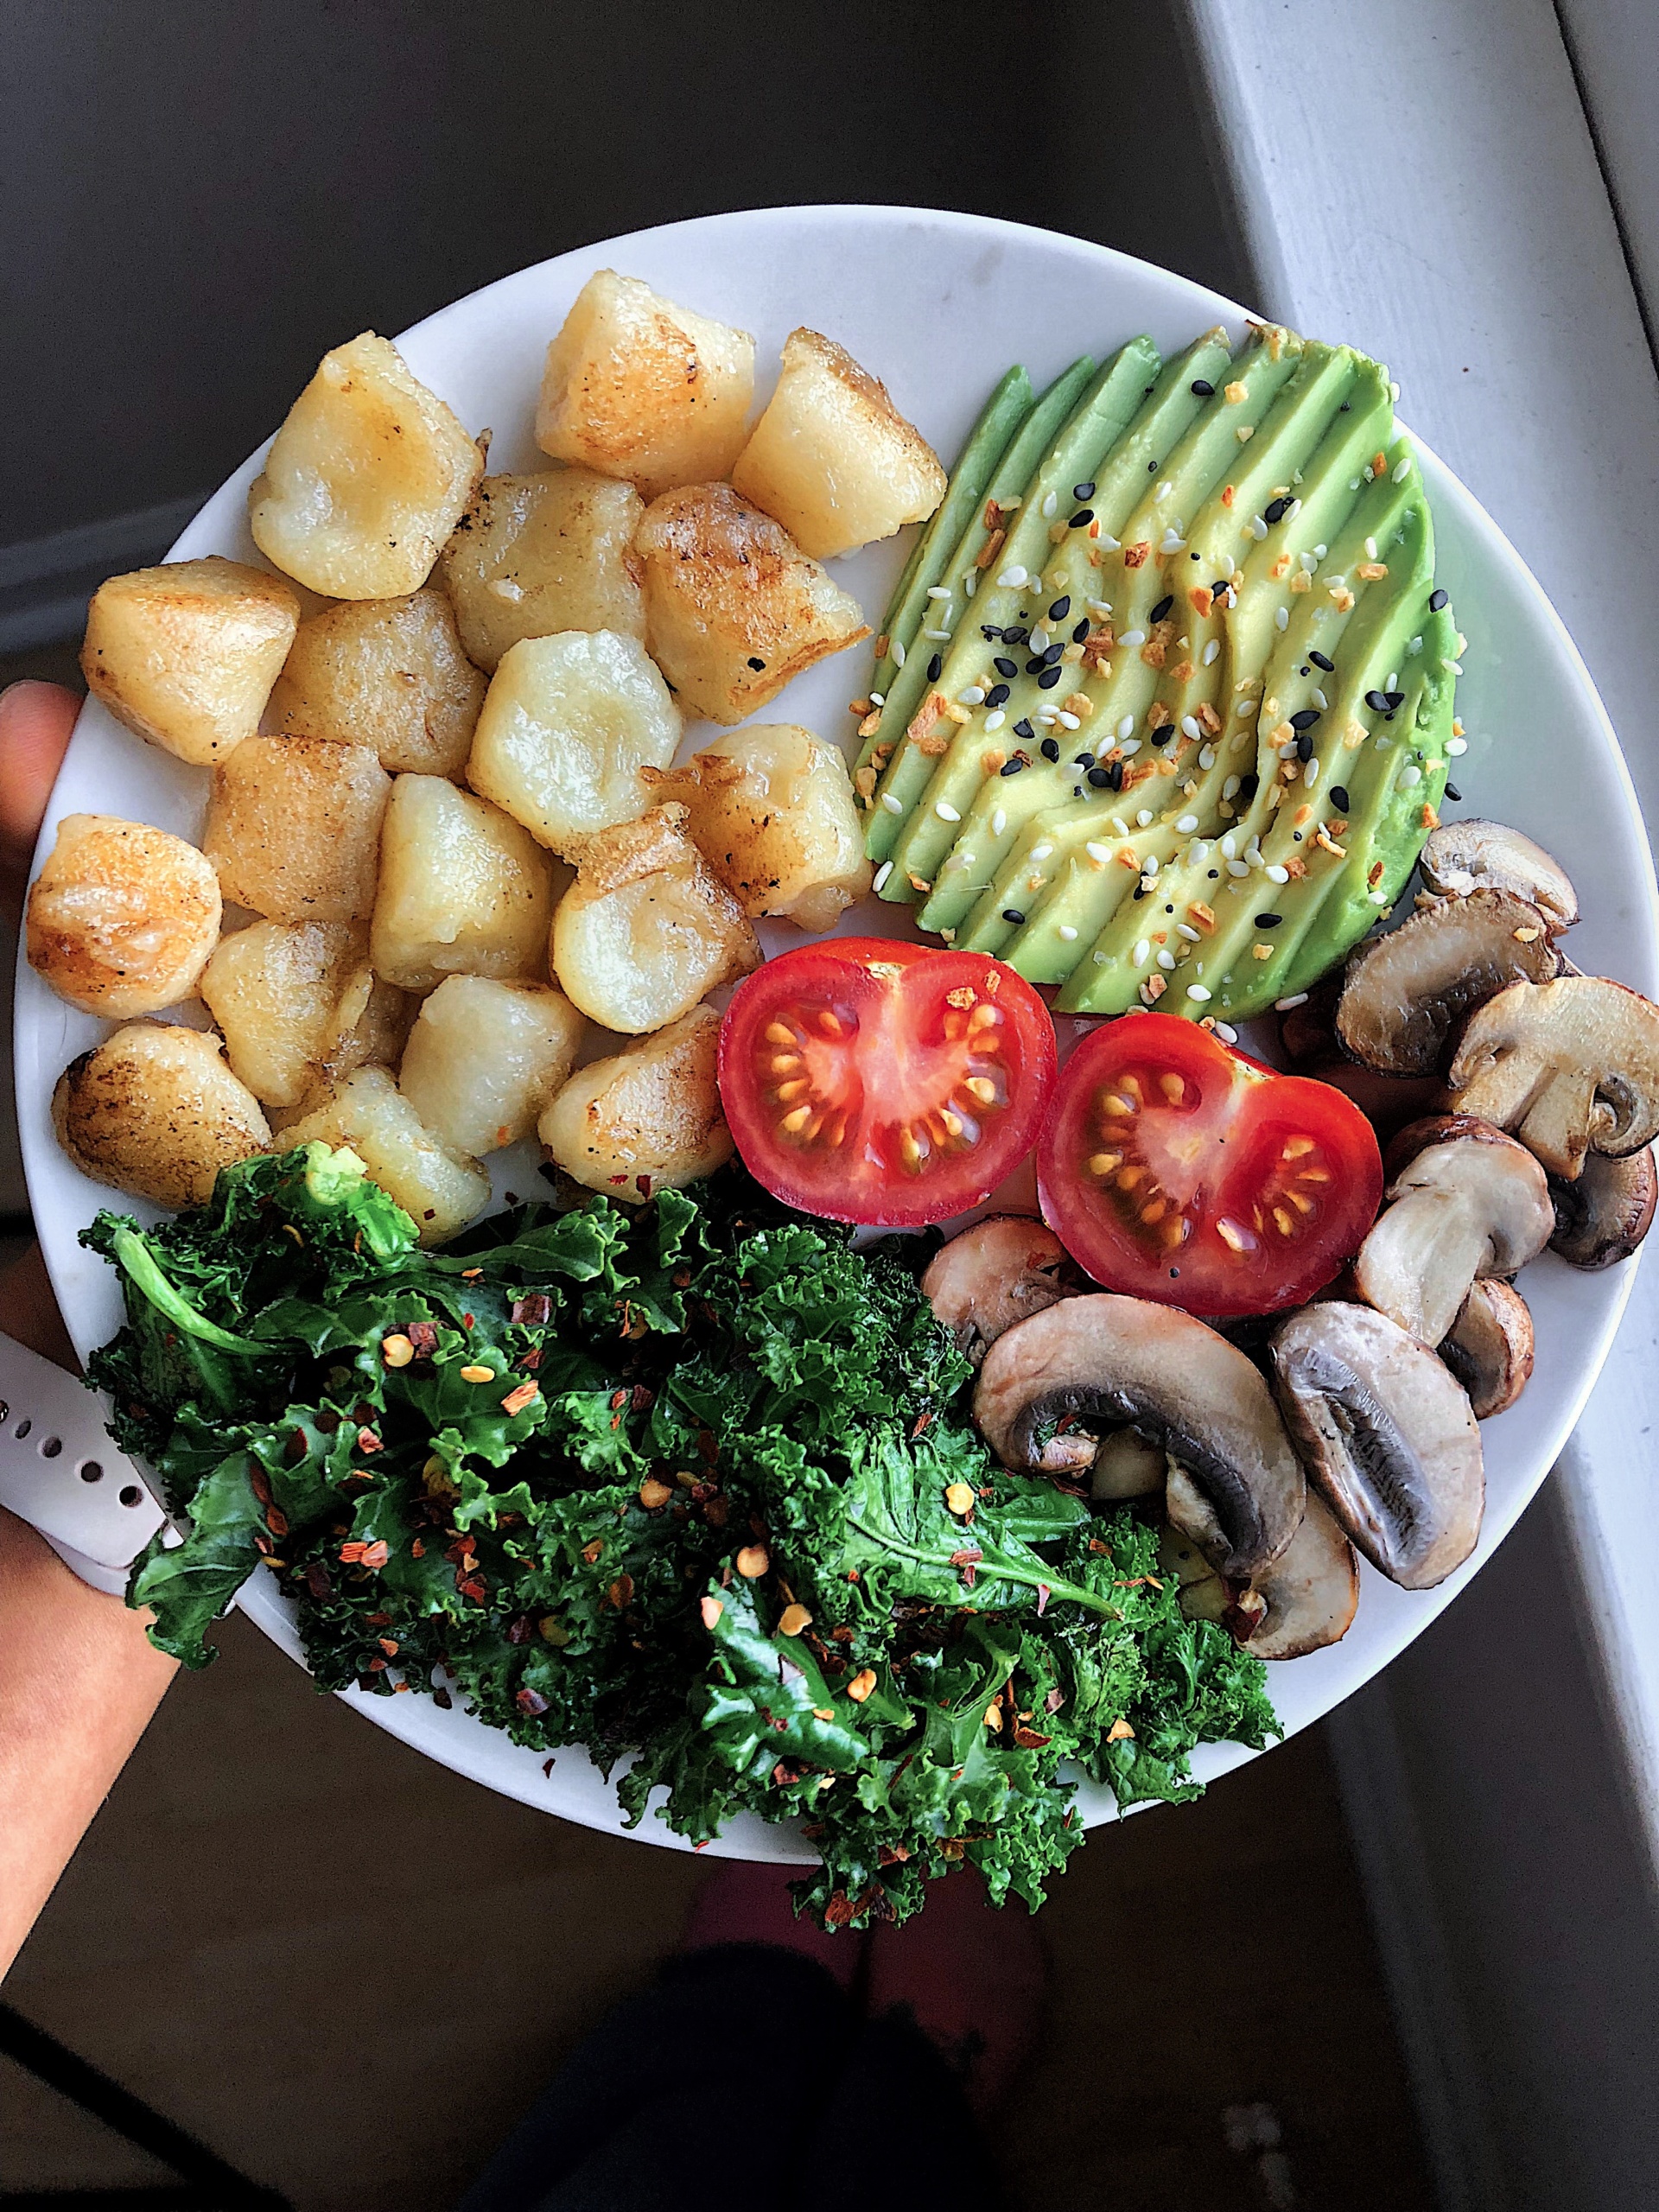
(90, 1471)
(51, 1447)
(23, 1427)
(132, 1494)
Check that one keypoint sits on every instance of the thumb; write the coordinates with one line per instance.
(35, 720)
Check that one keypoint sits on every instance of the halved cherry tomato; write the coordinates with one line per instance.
(867, 1080)
(1173, 1168)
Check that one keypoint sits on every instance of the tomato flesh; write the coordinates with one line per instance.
(871, 1081)
(1173, 1168)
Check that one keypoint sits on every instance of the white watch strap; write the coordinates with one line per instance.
(60, 1471)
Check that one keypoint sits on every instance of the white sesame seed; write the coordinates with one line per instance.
(1013, 577)
(1149, 866)
(996, 719)
(1371, 548)
(1070, 721)
(939, 636)
(1045, 717)
(973, 696)
(999, 822)
(1451, 667)
(1163, 490)
(1277, 874)
(971, 583)
(1119, 825)
(898, 652)
(1455, 745)
(1144, 817)
(1289, 1005)
(1043, 851)
(1165, 960)
(1186, 929)
(1174, 543)
(1230, 789)
(1258, 528)
(1100, 959)
(1100, 607)
(938, 591)
(959, 859)
(1311, 774)
(1410, 776)
(1129, 747)
(1189, 727)
(1125, 728)
(1228, 566)
(893, 806)
(1039, 639)
(1246, 706)
(1229, 846)
(1206, 756)
(1415, 646)
(945, 811)
(1049, 506)
(1308, 564)
(1320, 699)
(878, 698)
(1199, 992)
(1238, 867)
(1098, 852)
(1066, 933)
(1281, 616)
(1379, 898)
(1133, 637)
(1393, 677)
(1402, 469)
(1187, 824)
(881, 874)
(1212, 652)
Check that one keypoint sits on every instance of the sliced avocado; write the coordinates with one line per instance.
(1073, 444)
(999, 420)
(957, 531)
(1109, 980)
(1118, 475)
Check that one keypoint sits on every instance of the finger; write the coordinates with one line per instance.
(35, 720)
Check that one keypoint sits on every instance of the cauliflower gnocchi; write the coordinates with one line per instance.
(386, 673)
(155, 1111)
(121, 918)
(439, 1188)
(365, 479)
(770, 810)
(484, 1059)
(294, 828)
(646, 1119)
(186, 654)
(646, 929)
(464, 890)
(283, 993)
(734, 608)
(635, 386)
(533, 555)
(569, 727)
(832, 459)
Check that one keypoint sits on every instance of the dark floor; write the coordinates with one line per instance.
(347, 1971)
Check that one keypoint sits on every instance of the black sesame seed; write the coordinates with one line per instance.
(1023, 728)
(1083, 760)
(1140, 893)
(1297, 834)
(1115, 775)
(1162, 607)
(1004, 666)
(1050, 749)
(1035, 665)
(1203, 388)
(1052, 653)
(936, 668)
(1305, 718)
(1220, 585)
(1161, 736)
(1452, 793)
(1248, 787)
(1340, 796)
(1437, 600)
(996, 695)
(1269, 921)
(1377, 702)
(1305, 745)
(1049, 678)
(1214, 874)
(756, 664)
(1080, 631)
(1169, 910)
(1012, 914)
(1083, 491)
(1077, 791)
(1152, 468)
(1015, 637)
(1061, 607)
(1304, 670)
(1346, 407)
(989, 632)
(1275, 510)
(1394, 699)
(1195, 557)
(1102, 779)
(1319, 661)
(1013, 767)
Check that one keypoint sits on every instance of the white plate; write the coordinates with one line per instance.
(937, 305)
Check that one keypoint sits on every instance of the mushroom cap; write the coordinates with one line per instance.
(1464, 1201)
(1127, 1361)
(1387, 1433)
(1602, 1217)
(1312, 1590)
(1461, 857)
(1572, 1066)
(1404, 994)
(1489, 1347)
(996, 1272)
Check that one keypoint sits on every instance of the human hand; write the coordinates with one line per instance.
(35, 720)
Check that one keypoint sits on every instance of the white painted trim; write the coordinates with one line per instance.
(45, 582)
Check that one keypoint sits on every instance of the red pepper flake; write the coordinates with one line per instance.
(893, 1854)
(531, 1701)
(620, 1593)
(1029, 1740)
(618, 1398)
(471, 1585)
(367, 1441)
(377, 1666)
(925, 1421)
(417, 1550)
(1042, 1607)
(532, 1360)
(276, 1521)
(547, 1768)
(968, 1560)
(389, 1645)
(471, 1274)
(259, 1484)
(591, 1552)
(840, 1910)
(358, 1554)
(525, 1394)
